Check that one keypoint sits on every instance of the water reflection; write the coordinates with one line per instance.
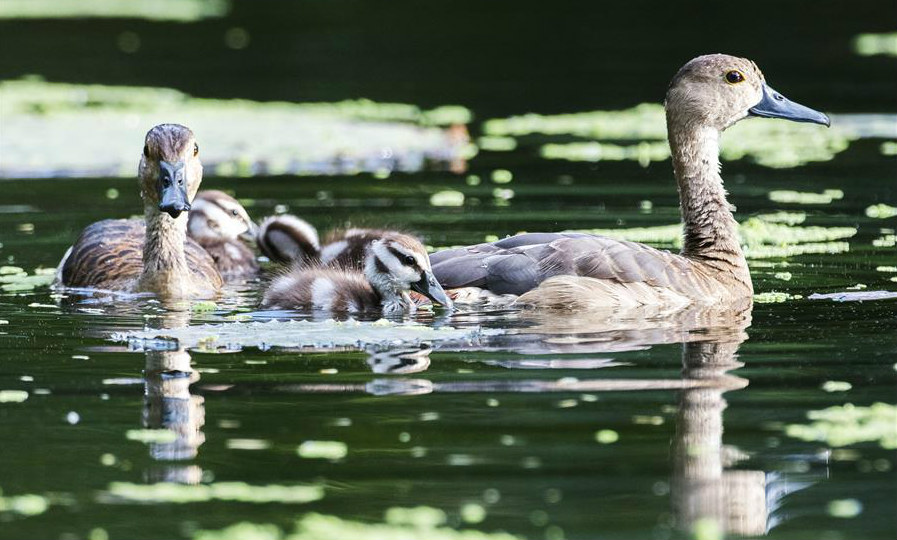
(169, 405)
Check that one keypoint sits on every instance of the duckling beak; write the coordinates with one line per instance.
(775, 105)
(429, 287)
(173, 197)
(250, 233)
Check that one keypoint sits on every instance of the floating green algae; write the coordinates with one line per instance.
(167, 492)
(607, 436)
(888, 148)
(642, 132)
(322, 450)
(836, 386)
(235, 136)
(850, 424)
(15, 279)
(774, 297)
(156, 10)
(798, 197)
(13, 396)
(881, 211)
(315, 526)
(448, 197)
(151, 435)
(844, 508)
(873, 44)
(23, 505)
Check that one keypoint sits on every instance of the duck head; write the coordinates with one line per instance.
(717, 90)
(215, 215)
(170, 171)
(398, 263)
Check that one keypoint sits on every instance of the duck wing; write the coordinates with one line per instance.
(108, 254)
(521, 263)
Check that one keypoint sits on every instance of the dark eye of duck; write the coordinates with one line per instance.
(410, 260)
(734, 77)
(195, 149)
(146, 150)
(235, 212)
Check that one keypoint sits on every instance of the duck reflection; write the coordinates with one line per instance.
(168, 404)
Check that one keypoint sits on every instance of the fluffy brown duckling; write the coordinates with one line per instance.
(154, 255)
(583, 271)
(393, 266)
(217, 222)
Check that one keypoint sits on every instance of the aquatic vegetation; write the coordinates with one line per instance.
(497, 144)
(235, 135)
(797, 197)
(322, 450)
(836, 386)
(13, 396)
(15, 279)
(448, 197)
(204, 306)
(844, 508)
(295, 334)
(774, 297)
(151, 435)
(23, 505)
(168, 492)
(849, 296)
(157, 10)
(315, 526)
(848, 424)
(607, 436)
(881, 211)
(888, 148)
(639, 134)
(873, 44)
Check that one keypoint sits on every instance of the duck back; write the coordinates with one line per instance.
(326, 289)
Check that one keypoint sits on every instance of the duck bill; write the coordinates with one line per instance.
(250, 233)
(173, 198)
(429, 287)
(775, 105)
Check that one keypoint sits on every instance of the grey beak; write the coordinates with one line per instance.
(429, 287)
(173, 197)
(249, 234)
(775, 105)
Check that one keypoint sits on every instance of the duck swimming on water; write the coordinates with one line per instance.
(154, 255)
(393, 266)
(582, 271)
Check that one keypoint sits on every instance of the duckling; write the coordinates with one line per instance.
(345, 248)
(288, 239)
(394, 265)
(581, 271)
(217, 221)
(154, 256)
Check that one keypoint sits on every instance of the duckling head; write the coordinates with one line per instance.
(215, 215)
(170, 171)
(397, 263)
(717, 90)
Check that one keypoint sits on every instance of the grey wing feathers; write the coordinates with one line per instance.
(520, 263)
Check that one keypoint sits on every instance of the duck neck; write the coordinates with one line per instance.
(164, 259)
(711, 232)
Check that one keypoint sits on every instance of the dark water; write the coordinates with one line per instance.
(698, 404)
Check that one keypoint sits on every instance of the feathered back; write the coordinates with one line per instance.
(288, 239)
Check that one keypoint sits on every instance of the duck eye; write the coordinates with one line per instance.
(734, 77)
(235, 212)
(146, 150)
(195, 149)
(410, 260)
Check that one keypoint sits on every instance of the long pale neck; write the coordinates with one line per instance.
(711, 232)
(164, 260)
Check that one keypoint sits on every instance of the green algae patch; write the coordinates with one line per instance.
(875, 44)
(797, 197)
(147, 436)
(836, 386)
(881, 211)
(322, 450)
(844, 508)
(204, 306)
(850, 424)
(315, 526)
(235, 135)
(419, 517)
(448, 197)
(167, 492)
(13, 396)
(607, 436)
(157, 10)
(774, 297)
(23, 505)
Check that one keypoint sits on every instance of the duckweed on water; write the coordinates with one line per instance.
(315, 526)
(448, 197)
(873, 44)
(23, 505)
(322, 450)
(774, 297)
(151, 435)
(881, 211)
(157, 10)
(318, 138)
(166, 492)
(13, 396)
(797, 197)
(849, 424)
(15, 279)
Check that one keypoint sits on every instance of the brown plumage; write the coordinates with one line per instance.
(155, 256)
(581, 271)
(345, 248)
(217, 221)
(394, 265)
